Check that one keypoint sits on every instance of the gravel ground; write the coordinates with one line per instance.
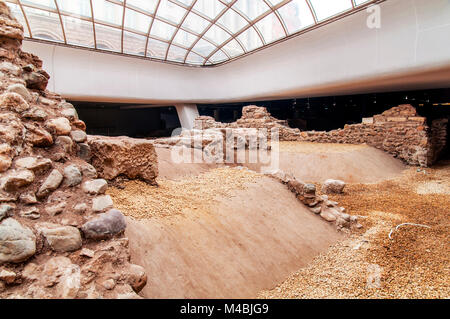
(438, 187)
(140, 200)
(414, 264)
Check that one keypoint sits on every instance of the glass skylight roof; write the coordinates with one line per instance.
(195, 32)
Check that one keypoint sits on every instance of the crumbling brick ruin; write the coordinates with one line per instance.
(252, 117)
(59, 234)
(398, 131)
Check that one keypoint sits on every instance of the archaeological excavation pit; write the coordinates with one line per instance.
(224, 150)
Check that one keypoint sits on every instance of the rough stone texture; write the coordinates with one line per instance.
(114, 156)
(95, 187)
(38, 136)
(65, 143)
(30, 213)
(21, 90)
(332, 186)
(59, 126)
(56, 209)
(319, 205)
(5, 162)
(28, 198)
(68, 111)
(87, 253)
(72, 176)
(137, 277)
(36, 79)
(6, 210)
(17, 243)
(36, 114)
(105, 225)
(16, 179)
(37, 165)
(41, 137)
(7, 276)
(80, 208)
(438, 137)
(61, 238)
(88, 171)
(59, 274)
(78, 136)
(13, 102)
(398, 131)
(84, 152)
(51, 183)
(252, 117)
(101, 203)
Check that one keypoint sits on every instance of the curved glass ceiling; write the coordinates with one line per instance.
(195, 32)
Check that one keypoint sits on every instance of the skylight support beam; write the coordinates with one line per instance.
(93, 23)
(213, 31)
(25, 17)
(123, 24)
(60, 20)
(150, 29)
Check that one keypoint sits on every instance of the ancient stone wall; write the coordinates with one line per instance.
(398, 131)
(124, 156)
(59, 234)
(252, 117)
(438, 137)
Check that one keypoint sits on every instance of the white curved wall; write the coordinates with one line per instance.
(411, 50)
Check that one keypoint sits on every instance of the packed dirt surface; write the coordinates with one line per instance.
(176, 171)
(221, 234)
(178, 197)
(317, 162)
(308, 162)
(415, 263)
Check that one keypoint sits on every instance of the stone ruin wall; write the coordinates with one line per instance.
(439, 131)
(252, 117)
(398, 131)
(59, 234)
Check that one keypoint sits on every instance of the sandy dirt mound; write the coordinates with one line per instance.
(308, 162)
(230, 245)
(317, 162)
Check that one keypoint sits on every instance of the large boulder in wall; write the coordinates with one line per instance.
(133, 158)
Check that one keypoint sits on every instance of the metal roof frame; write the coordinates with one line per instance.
(218, 46)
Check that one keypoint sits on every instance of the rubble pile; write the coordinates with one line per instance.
(318, 204)
(60, 236)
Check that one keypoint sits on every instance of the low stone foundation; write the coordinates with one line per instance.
(318, 204)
